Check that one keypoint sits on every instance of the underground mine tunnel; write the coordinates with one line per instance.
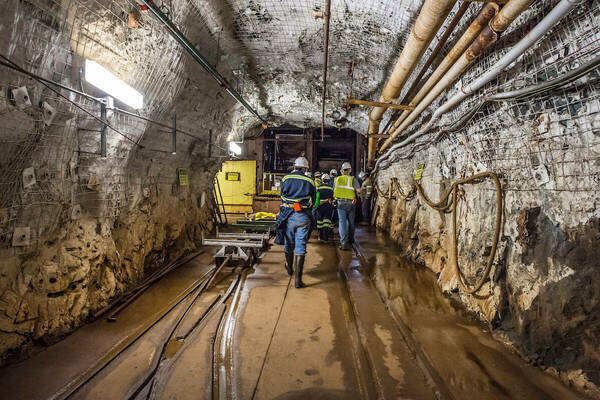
(327, 199)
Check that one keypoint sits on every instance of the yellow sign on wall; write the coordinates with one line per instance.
(232, 176)
(182, 176)
(419, 172)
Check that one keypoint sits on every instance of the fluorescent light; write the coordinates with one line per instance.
(104, 80)
(235, 148)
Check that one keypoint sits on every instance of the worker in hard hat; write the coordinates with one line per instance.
(294, 220)
(346, 190)
(332, 175)
(366, 193)
(318, 180)
(324, 209)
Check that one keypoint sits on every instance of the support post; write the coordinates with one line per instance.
(174, 135)
(103, 130)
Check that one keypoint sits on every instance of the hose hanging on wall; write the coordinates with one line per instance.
(449, 202)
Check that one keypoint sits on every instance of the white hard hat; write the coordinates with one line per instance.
(333, 172)
(325, 177)
(301, 162)
(361, 175)
(317, 174)
(346, 165)
(308, 173)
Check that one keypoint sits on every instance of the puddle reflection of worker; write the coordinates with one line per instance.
(294, 220)
(324, 209)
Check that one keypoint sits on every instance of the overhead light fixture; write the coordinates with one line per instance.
(235, 148)
(104, 80)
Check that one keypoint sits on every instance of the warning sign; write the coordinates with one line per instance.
(182, 176)
(232, 176)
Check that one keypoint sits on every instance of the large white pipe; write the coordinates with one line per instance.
(559, 11)
(432, 15)
(488, 36)
(487, 12)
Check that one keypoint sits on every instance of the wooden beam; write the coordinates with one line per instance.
(378, 104)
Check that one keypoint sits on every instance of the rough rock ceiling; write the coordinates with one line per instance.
(282, 46)
(271, 50)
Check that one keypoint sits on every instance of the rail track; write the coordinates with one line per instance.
(221, 305)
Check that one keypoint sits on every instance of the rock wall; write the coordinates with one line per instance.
(543, 292)
(76, 229)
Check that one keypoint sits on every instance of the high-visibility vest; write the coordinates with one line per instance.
(343, 188)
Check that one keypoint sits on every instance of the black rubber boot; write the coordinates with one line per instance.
(289, 262)
(299, 268)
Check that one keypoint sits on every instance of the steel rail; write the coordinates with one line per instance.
(72, 387)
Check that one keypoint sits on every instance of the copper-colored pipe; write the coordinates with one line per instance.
(486, 13)
(434, 53)
(432, 15)
(487, 37)
(325, 57)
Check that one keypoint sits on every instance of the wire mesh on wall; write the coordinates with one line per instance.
(69, 179)
(547, 142)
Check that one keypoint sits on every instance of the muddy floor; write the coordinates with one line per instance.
(368, 325)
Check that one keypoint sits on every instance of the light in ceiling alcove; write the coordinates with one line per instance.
(235, 148)
(104, 80)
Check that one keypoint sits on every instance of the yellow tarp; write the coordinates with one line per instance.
(264, 215)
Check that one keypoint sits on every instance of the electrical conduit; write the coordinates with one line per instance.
(559, 11)
(432, 15)
(481, 20)
(487, 37)
(434, 54)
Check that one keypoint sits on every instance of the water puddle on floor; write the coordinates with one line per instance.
(173, 347)
(461, 350)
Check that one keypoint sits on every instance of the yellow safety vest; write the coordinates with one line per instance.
(343, 188)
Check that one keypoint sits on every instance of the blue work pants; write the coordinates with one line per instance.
(297, 232)
(346, 214)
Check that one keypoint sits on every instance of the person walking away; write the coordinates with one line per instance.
(345, 191)
(324, 209)
(294, 220)
(366, 195)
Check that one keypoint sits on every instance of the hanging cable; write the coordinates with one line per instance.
(448, 203)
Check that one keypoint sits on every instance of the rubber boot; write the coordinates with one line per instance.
(289, 262)
(299, 269)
